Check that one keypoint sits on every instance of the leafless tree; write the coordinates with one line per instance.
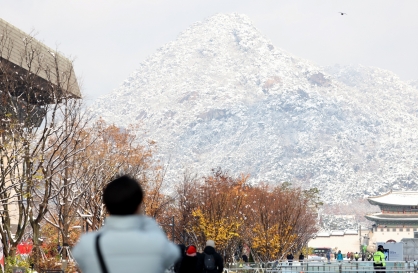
(40, 115)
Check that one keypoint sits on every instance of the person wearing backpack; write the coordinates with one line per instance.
(210, 261)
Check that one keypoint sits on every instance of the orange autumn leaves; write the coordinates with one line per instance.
(272, 220)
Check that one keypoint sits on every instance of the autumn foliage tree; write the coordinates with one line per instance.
(218, 214)
(110, 151)
(271, 220)
(281, 220)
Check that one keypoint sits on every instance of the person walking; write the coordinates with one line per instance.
(189, 262)
(128, 241)
(339, 256)
(328, 255)
(290, 258)
(356, 256)
(182, 248)
(301, 257)
(379, 262)
(210, 261)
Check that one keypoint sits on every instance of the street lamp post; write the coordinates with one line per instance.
(172, 228)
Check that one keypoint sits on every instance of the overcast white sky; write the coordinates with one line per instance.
(109, 38)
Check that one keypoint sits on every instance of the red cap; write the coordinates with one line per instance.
(191, 250)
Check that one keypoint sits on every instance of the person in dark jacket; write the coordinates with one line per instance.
(204, 259)
(301, 257)
(189, 262)
(290, 258)
(178, 263)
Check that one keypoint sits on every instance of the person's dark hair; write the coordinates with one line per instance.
(122, 196)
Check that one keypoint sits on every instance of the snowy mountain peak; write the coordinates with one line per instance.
(222, 94)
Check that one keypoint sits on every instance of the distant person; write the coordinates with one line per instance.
(351, 256)
(210, 261)
(348, 255)
(328, 255)
(190, 260)
(129, 241)
(363, 256)
(339, 256)
(356, 256)
(379, 262)
(301, 257)
(245, 258)
(182, 248)
(290, 258)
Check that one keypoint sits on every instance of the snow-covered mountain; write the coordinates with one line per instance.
(222, 94)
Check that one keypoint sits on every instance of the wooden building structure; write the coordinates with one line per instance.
(398, 217)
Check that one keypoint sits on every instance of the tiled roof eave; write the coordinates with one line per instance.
(376, 218)
(399, 198)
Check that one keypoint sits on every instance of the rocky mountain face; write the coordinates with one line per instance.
(222, 94)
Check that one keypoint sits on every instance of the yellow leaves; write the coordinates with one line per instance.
(272, 220)
(221, 230)
(266, 241)
(270, 241)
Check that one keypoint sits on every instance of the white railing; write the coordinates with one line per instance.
(320, 267)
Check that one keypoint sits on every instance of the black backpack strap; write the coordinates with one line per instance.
(100, 256)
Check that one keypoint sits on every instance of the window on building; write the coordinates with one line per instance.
(407, 229)
(382, 229)
(415, 229)
(388, 229)
(394, 229)
(401, 229)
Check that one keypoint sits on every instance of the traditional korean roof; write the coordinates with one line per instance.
(392, 217)
(398, 198)
(16, 45)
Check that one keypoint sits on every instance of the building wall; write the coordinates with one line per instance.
(13, 208)
(381, 234)
(345, 243)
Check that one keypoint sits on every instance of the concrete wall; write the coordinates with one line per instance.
(351, 242)
(383, 236)
(345, 243)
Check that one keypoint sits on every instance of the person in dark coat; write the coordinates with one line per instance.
(301, 257)
(290, 258)
(210, 250)
(245, 258)
(178, 263)
(189, 262)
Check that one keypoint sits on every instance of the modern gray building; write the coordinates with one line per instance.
(32, 75)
